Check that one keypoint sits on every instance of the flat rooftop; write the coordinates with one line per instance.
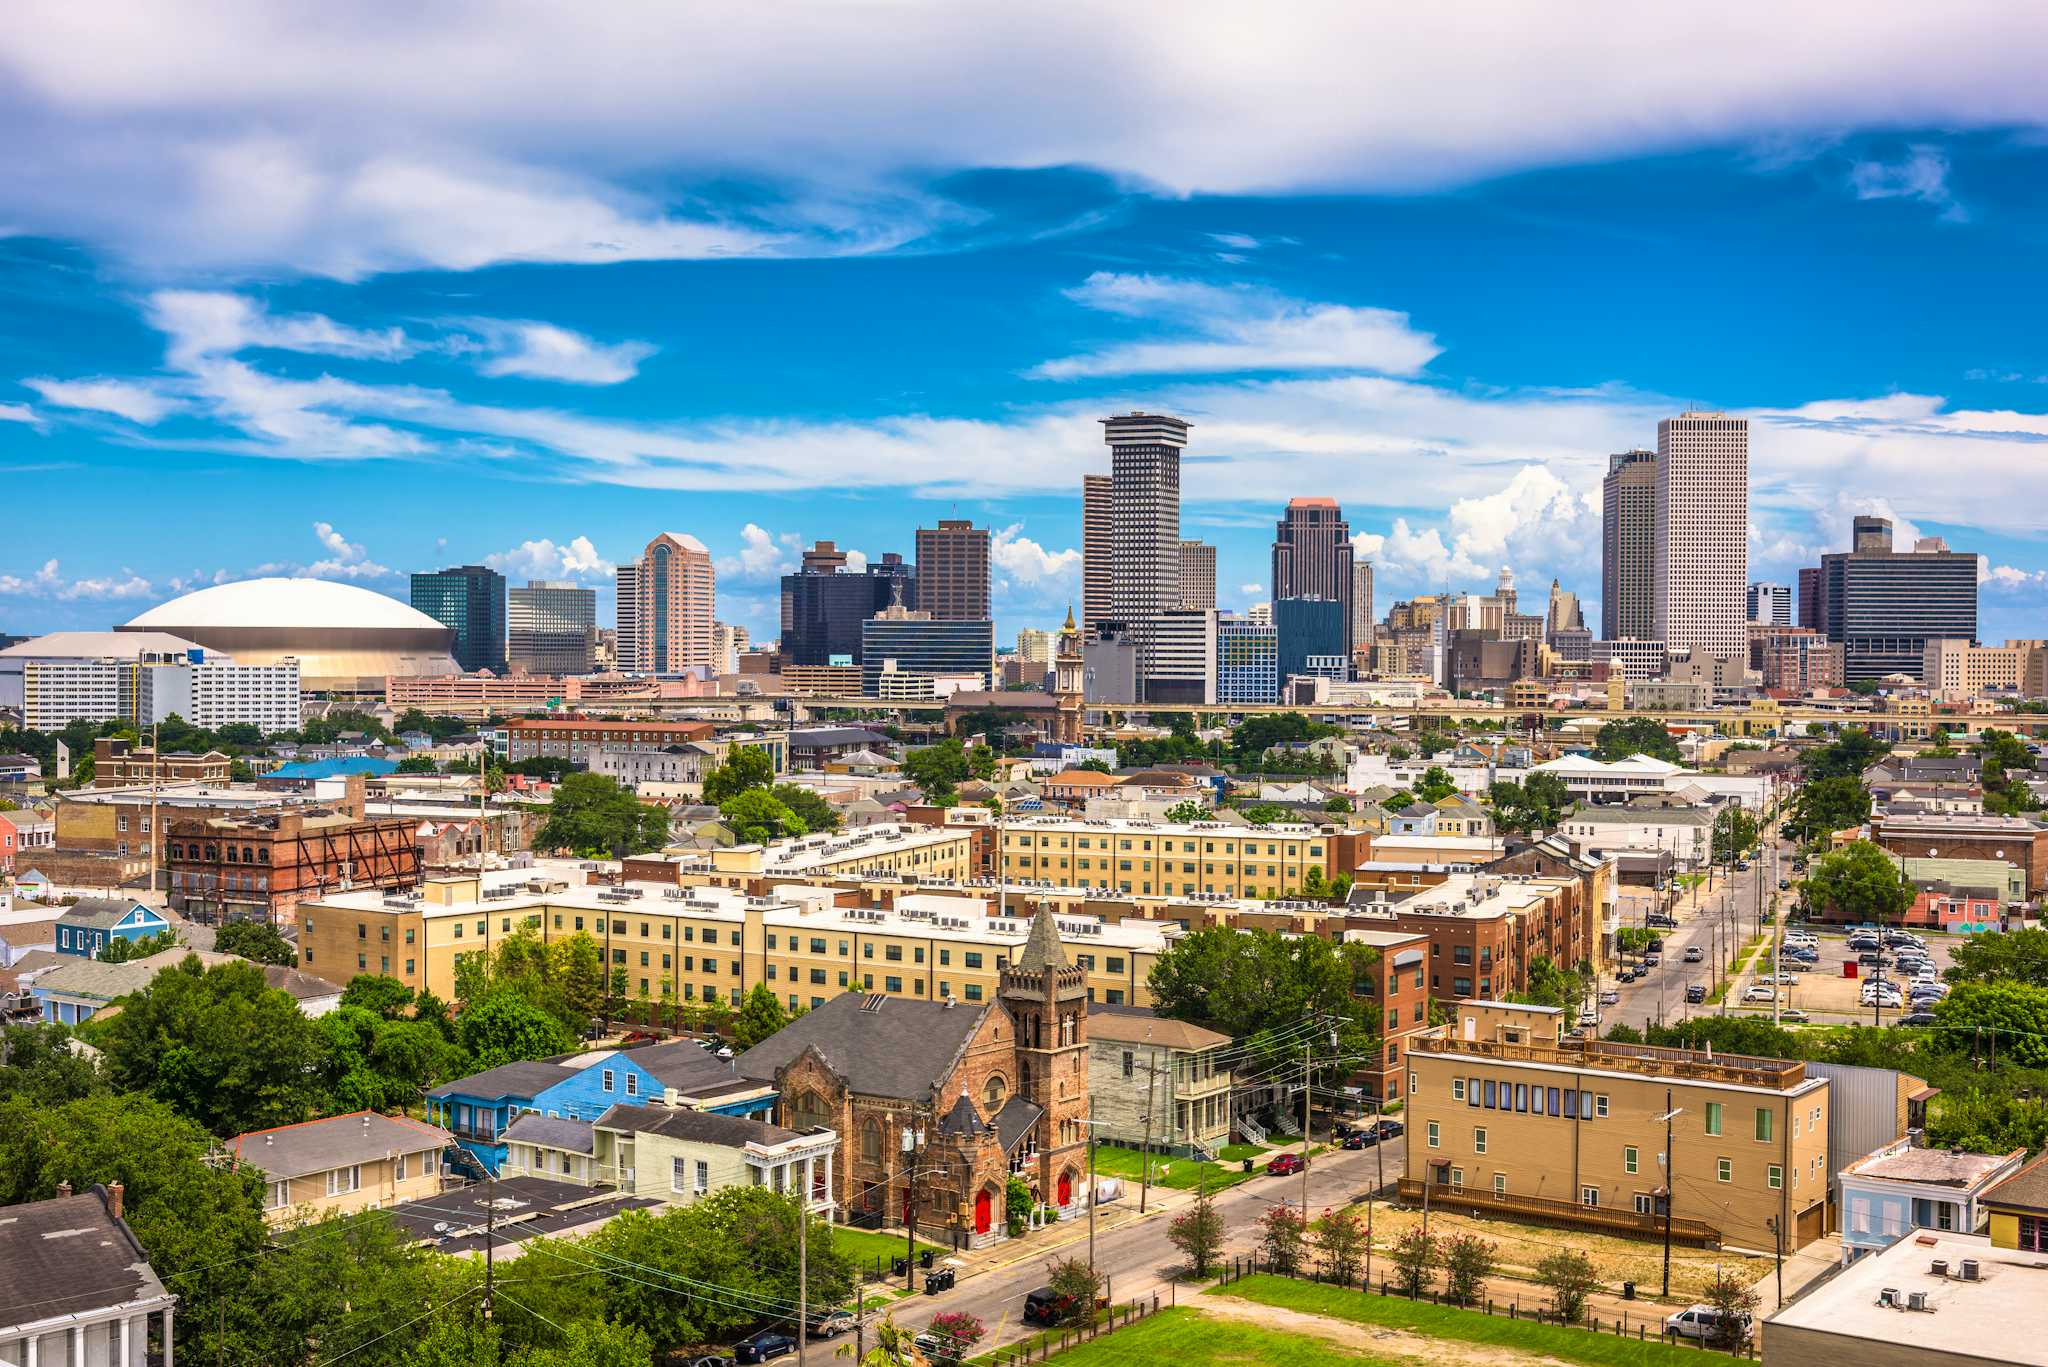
(1481, 895)
(2000, 1317)
(1777, 1076)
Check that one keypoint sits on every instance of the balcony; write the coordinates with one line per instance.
(1543, 1210)
(1735, 1070)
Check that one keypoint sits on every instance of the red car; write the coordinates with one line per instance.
(1285, 1165)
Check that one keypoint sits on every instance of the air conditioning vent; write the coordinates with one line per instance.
(1971, 1270)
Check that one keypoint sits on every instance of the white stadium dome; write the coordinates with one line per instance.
(345, 638)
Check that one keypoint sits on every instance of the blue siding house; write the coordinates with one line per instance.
(86, 928)
(478, 1110)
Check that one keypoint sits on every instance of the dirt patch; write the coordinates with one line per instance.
(1370, 1338)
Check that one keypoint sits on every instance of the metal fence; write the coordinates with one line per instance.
(1053, 1342)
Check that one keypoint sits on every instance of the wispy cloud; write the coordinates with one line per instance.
(1922, 174)
(49, 582)
(19, 412)
(137, 401)
(542, 351)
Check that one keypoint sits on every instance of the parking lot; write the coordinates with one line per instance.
(1823, 990)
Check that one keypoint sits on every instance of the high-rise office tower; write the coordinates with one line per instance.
(1628, 547)
(1563, 612)
(1883, 605)
(1770, 604)
(668, 599)
(1097, 572)
(1702, 555)
(470, 599)
(824, 604)
(1144, 480)
(1312, 555)
(952, 571)
(1809, 599)
(551, 627)
(1197, 576)
(1310, 638)
(1361, 604)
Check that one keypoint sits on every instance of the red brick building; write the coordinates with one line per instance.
(260, 866)
(579, 740)
(2014, 840)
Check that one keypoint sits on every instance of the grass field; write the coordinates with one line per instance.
(1181, 1174)
(1560, 1342)
(864, 1245)
(1187, 1339)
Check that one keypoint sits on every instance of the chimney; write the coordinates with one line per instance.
(63, 1188)
(114, 1200)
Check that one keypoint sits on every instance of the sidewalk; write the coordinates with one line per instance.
(1069, 1231)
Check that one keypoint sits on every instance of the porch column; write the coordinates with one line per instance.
(127, 1357)
(34, 1356)
(831, 1190)
(77, 1332)
(167, 1336)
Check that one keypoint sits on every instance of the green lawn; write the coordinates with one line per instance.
(864, 1245)
(1181, 1174)
(1187, 1339)
(1558, 1341)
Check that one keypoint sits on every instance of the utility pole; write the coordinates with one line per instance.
(1306, 1090)
(1670, 1187)
(910, 1208)
(1145, 1160)
(803, 1265)
(490, 1263)
(156, 756)
(1091, 1186)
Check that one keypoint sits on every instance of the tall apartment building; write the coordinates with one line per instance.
(1247, 661)
(1312, 556)
(1144, 478)
(551, 628)
(952, 571)
(469, 600)
(1197, 576)
(728, 642)
(1702, 557)
(1361, 604)
(668, 599)
(211, 691)
(1034, 646)
(1770, 603)
(1883, 605)
(1794, 659)
(824, 604)
(1628, 547)
(1097, 570)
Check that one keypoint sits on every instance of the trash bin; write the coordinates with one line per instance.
(1247, 1165)
(1628, 1291)
(900, 1266)
(924, 1259)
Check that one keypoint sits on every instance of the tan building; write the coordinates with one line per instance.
(1505, 1118)
(822, 681)
(1957, 669)
(667, 602)
(122, 764)
(1157, 1080)
(346, 1163)
(1144, 857)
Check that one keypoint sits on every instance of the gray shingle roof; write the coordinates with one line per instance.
(68, 1256)
(551, 1132)
(899, 1048)
(98, 913)
(511, 1079)
(1014, 1121)
(687, 1067)
(702, 1127)
(322, 1145)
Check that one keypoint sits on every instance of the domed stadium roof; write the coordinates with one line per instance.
(346, 639)
(304, 603)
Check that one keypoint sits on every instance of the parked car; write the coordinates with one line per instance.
(714, 1360)
(1284, 1165)
(1662, 919)
(1589, 1016)
(1610, 998)
(1389, 1129)
(1357, 1139)
(1045, 1306)
(1656, 946)
(1760, 993)
(1793, 1016)
(1928, 992)
(831, 1324)
(1917, 1018)
(938, 1349)
(1625, 975)
(1872, 959)
(765, 1346)
(1696, 994)
(1705, 1322)
(1784, 885)
(1695, 955)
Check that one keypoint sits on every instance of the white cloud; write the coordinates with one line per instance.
(136, 401)
(345, 559)
(575, 558)
(1251, 590)
(49, 582)
(209, 323)
(1238, 328)
(764, 557)
(856, 561)
(1026, 561)
(542, 351)
(1921, 174)
(2007, 579)
(18, 412)
(1237, 242)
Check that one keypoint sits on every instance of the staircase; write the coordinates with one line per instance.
(1287, 1124)
(1253, 1132)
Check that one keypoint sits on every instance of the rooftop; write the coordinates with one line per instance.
(2026, 1189)
(297, 604)
(338, 1141)
(1136, 1025)
(882, 1046)
(1958, 1168)
(69, 1256)
(1619, 1060)
(2001, 1316)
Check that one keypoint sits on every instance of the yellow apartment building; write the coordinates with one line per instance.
(1147, 857)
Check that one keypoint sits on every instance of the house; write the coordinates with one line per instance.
(76, 1286)
(1899, 1188)
(25, 927)
(18, 769)
(673, 1154)
(88, 924)
(1684, 833)
(77, 990)
(343, 1164)
(1075, 786)
(937, 1104)
(1417, 818)
(1157, 1080)
(315, 996)
(1460, 815)
(2018, 1208)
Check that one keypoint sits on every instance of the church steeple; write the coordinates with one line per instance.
(1042, 949)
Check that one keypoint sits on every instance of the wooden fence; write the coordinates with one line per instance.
(1053, 1342)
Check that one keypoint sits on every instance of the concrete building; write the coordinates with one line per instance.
(1197, 576)
(1958, 670)
(1933, 1300)
(578, 740)
(1634, 660)
(1883, 605)
(143, 677)
(952, 571)
(1098, 571)
(1702, 553)
(1628, 547)
(1310, 638)
(1889, 1193)
(1312, 557)
(913, 645)
(1505, 1118)
(1144, 465)
(667, 601)
(1034, 647)
(76, 1286)
(1484, 929)
(551, 628)
(2014, 840)
(1795, 660)
(1769, 603)
(1177, 658)
(470, 601)
(1247, 661)
(261, 866)
(1362, 618)
(1159, 1081)
(1210, 857)
(342, 1164)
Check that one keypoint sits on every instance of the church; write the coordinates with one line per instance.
(938, 1104)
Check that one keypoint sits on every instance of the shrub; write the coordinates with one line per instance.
(1416, 1256)
(1570, 1276)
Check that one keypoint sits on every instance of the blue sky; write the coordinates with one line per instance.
(376, 297)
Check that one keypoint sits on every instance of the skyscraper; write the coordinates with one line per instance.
(1197, 576)
(1628, 547)
(470, 599)
(1883, 605)
(824, 604)
(1702, 558)
(1312, 555)
(1144, 479)
(551, 627)
(1809, 599)
(1097, 572)
(667, 600)
(1309, 636)
(1361, 604)
(1770, 603)
(952, 571)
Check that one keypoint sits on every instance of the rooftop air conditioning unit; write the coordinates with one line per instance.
(1971, 1270)
(1916, 1300)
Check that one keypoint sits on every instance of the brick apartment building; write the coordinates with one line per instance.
(262, 865)
(118, 763)
(2014, 840)
(579, 741)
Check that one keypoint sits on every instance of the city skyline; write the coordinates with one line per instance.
(550, 357)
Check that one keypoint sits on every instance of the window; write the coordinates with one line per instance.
(1628, 1158)
(1724, 1169)
(1713, 1117)
(871, 1140)
(398, 1169)
(1436, 1134)
(276, 1195)
(1457, 1179)
(1457, 1089)
(1589, 1196)
(1128, 1063)
(1500, 1184)
(973, 958)
(608, 1079)
(1646, 1204)
(1774, 1178)
(1479, 1139)
(341, 1181)
(632, 1084)
(703, 1185)
(675, 1174)
(1763, 1125)
(1600, 1106)
(993, 1093)
(2033, 1234)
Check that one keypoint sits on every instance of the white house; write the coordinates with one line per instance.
(1888, 1194)
(1685, 833)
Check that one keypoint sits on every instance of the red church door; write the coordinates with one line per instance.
(1066, 1188)
(981, 1212)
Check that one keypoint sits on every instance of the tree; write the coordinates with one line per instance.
(1827, 805)
(2019, 956)
(1572, 1280)
(120, 951)
(746, 767)
(593, 817)
(1095, 766)
(1852, 752)
(810, 807)
(2007, 761)
(1416, 1255)
(418, 764)
(503, 1026)
(1017, 1205)
(1075, 1284)
(761, 1015)
(1340, 1243)
(1283, 1238)
(38, 1063)
(1551, 984)
(1860, 883)
(1734, 834)
(2013, 1016)
(1435, 785)
(1187, 811)
(1434, 742)
(1198, 1233)
(218, 1044)
(1258, 986)
(1468, 1262)
(377, 994)
(1535, 805)
(1263, 813)
(1338, 806)
(1636, 736)
(937, 770)
(958, 1331)
(1735, 1301)
(256, 941)
(757, 816)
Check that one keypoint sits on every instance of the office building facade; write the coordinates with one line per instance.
(1097, 553)
(470, 601)
(1361, 604)
(1883, 605)
(668, 600)
(1177, 658)
(952, 571)
(825, 604)
(910, 645)
(1247, 661)
(1770, 604)
(1144, 476)
(1628, 546)
(1310, 638)
(1702, 558)
(1197, 576)
(1312, 556)
(551, 628)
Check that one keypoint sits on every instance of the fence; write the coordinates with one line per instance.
(1053, 1342)
(1548, 1210)
(1622, 1326)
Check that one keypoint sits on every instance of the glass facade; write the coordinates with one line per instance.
(469, 599)
(1247, 662)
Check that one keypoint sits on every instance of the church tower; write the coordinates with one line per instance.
(1047, 997)
(1069, 685)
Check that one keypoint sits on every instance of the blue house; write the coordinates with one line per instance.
(85, 929)
(478, 1110)
(1417, 818)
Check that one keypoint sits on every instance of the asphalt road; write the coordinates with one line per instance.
(1138, 1259)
